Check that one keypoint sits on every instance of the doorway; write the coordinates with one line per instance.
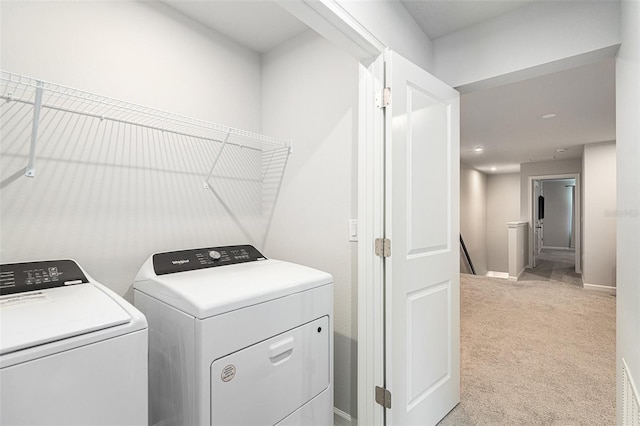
(555, 233)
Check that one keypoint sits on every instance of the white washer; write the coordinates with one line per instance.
(72, 352)
(237, 339)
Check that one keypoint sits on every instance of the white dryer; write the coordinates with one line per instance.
(237, 339)
(72, 352)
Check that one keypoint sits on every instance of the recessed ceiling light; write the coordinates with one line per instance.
(478, 149)
(494, 168)
(548, 116)
(560, 150)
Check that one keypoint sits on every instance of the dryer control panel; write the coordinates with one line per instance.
(29, 276)
(209, 257)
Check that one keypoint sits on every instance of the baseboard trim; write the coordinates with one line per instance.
(496, 274)
(596, 287)
(517, 277)
(559, 248)
(340, 418)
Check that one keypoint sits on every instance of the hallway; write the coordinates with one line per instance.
(555, 265)
(537, 351)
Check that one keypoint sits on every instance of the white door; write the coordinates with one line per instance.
(422, 287)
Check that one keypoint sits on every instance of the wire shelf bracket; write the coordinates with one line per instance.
(37, 107)
(213, 166)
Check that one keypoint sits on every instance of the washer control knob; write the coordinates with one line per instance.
(215, 255)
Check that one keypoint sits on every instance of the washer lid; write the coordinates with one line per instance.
(207, 292)
(43, 316)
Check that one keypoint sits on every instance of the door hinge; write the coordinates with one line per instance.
(383, 247)
(383, 99)
(383, 397)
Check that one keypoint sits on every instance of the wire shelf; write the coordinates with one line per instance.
(24, 89)
(95, 135)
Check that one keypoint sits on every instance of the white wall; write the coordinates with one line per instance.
(110, 205)
(473, 218)
(529, 38)
(142, 52)
(558, 213)
(599, 214)
(628, 196)
(310, 95)
(503, 205)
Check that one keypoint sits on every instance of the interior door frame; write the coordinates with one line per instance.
(371, 301)
(332, 21)
(535, 217)
(577, 215)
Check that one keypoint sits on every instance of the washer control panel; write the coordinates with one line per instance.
(210, 257)
(30, 276)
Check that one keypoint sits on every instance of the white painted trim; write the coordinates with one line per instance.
(577, 220)
(340, 418)
(370, 266)
(517, 224)
(558, 248)
(332, 21)
(517, 277)
(597, 287)
(496, 274)
(329, 19)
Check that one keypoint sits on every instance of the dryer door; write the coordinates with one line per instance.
(264, 383)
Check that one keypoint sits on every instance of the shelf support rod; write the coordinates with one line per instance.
(37, 107)
(213, 166)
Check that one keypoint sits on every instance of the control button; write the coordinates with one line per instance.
(215, 255)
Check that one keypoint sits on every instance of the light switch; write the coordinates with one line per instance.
(353, 229)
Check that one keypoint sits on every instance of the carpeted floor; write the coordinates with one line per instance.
(557, 265)
(535, 352)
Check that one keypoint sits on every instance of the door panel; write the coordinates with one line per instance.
(428, 325)
(421, 219)
(426, 120)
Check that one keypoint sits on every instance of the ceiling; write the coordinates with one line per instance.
(259, 25)
(441, 17)
(507, 122)
(504, 121)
